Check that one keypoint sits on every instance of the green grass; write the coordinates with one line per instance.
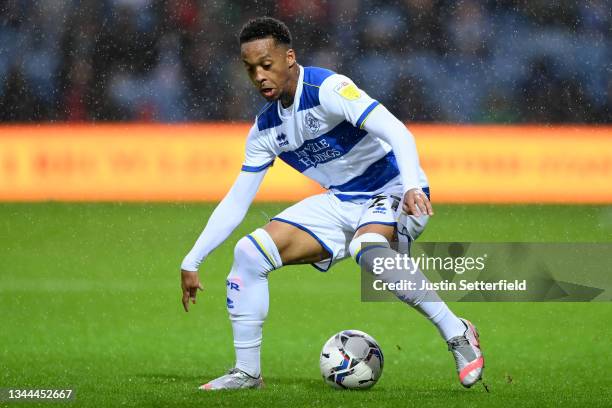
(90, 299)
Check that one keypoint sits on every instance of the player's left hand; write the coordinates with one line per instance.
(190, 284)
(416, 203)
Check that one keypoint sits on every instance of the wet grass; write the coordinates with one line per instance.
(90, 300)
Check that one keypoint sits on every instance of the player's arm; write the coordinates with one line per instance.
(225, 218)
(383, 124)
(341, 97)
(229, 213)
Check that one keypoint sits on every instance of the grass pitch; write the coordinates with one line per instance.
(90, 300)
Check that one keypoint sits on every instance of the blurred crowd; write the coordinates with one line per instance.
(426, 60)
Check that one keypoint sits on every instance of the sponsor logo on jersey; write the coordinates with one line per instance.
(230, 303)
(312, 124)
(347, 90)
(313, 153)
(282, 140)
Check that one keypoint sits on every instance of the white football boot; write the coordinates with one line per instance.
(235, 379)
(468, 356)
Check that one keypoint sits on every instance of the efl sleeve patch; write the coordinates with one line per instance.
(347, 90)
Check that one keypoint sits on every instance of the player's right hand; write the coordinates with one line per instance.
(416, 203)
(190, 284)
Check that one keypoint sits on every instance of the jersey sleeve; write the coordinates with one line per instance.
(225, 218)
(258, 155)
(340, 96)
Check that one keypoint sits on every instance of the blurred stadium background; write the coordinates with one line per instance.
(146, 100)
(509, 61)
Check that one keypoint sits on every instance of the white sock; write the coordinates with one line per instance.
(427, 302)
(442, 317)
(247, 296)
(248, 353)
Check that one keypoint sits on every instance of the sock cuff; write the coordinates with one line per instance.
(247, 344)
(267, 246)
(373, 240)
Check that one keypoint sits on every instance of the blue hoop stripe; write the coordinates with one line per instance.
(392, 223)
(255, 169)
(261, 251)
(365, 114)
(364, 250)
(348, 197)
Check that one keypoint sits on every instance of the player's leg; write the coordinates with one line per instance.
(295, 245)
(255, 256)
(425, 301)
(286, 241)
(376, 228)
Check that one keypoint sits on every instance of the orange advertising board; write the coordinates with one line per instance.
(144, 162)
(526, 164)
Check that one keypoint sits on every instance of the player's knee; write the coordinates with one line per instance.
(256, 253)
(247, 281)
(244, 250)
(362, 242)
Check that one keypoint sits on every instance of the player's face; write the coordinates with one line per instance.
(268, 65)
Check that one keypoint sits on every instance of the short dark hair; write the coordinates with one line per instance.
(264, 27)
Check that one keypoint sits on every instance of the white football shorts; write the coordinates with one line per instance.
(333, 222)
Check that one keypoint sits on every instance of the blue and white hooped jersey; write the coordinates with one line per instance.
(321, 135)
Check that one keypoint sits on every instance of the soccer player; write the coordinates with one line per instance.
(324, 126)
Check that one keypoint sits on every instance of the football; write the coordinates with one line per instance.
(351, 359)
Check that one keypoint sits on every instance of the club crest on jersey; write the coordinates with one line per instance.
(348, 90)
(282, 140)
(313, 124)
